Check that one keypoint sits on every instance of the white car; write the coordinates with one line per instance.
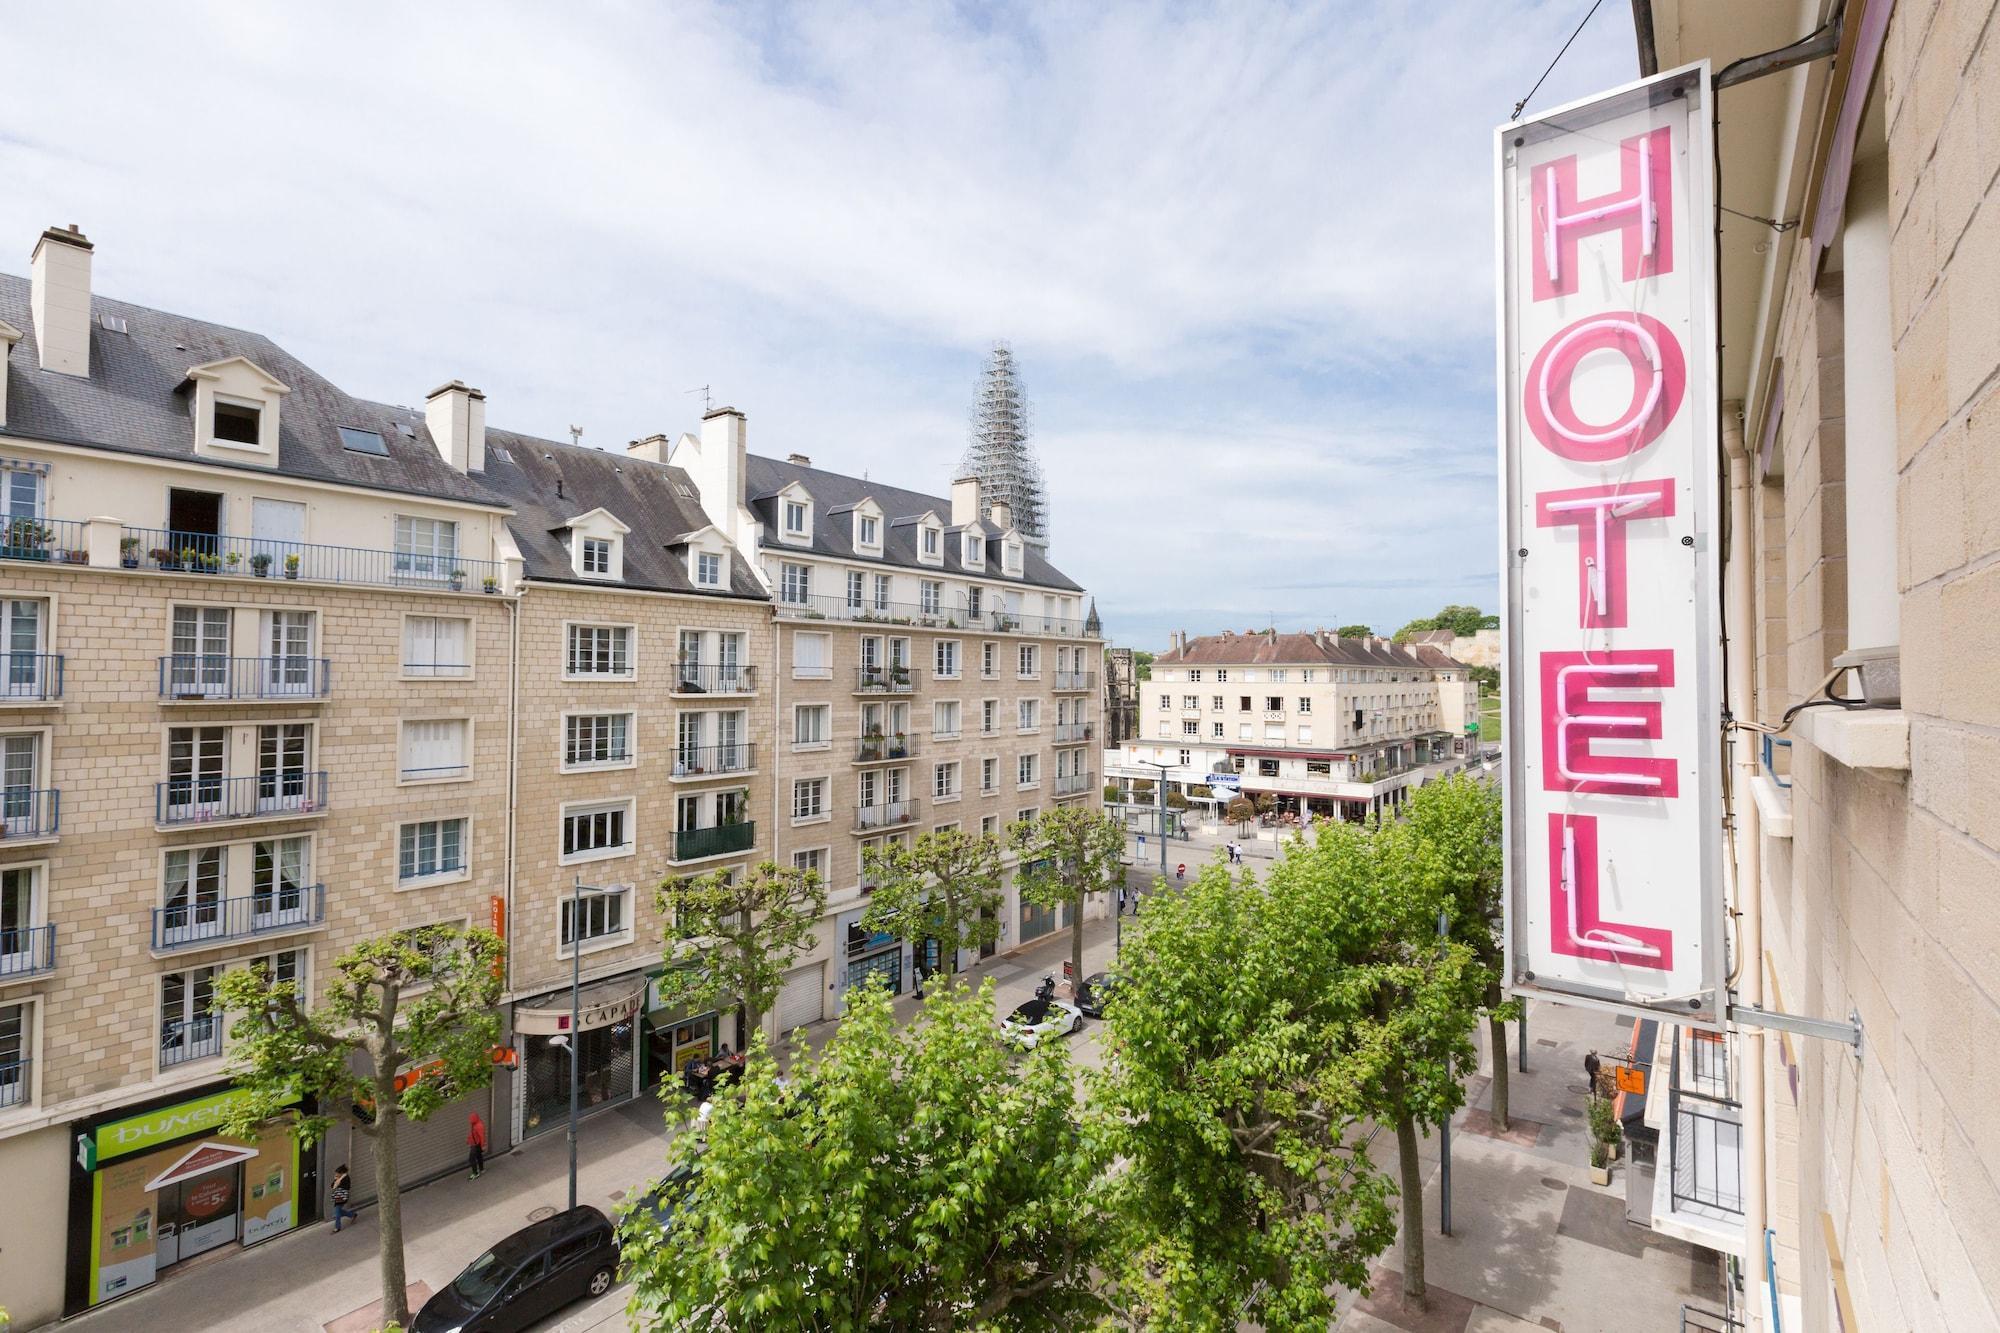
(1036, 1019)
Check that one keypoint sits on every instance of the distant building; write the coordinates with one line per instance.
(1121, 697)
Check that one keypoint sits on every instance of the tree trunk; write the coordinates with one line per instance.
(1076, 944)
(1416, 1294)
(1496, 1028)
(389, 1202)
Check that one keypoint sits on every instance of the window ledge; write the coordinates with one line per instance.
(1774, 806)
(1858, 738)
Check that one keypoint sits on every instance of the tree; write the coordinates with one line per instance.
(1488, 677)
(1176, 801)
(1113, 794)
(1142, 787)
(732, 938)
(1463, 621)
(1459, 819)
(1240, 812)
(1142, 664)
(1068, 854)
(904, 1178)
(1266, 803)
(420, 1001)
(1248, 1192)
(1355, 631)
(945, 887)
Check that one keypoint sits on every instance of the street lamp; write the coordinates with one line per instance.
(570, 1039)
(1154, 763)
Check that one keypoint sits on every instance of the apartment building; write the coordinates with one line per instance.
(1323, 725)
(932, 671)
(1854, 1184)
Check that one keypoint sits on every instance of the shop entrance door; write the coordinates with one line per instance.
(197, 1215)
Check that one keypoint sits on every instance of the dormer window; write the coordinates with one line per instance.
(795, 518)
(1013, 556)
(708, 569)
(597, 545)
(871, 530)
(596, 555)
(237, 423)
(234, 405)
(930, 541)
(974, 551)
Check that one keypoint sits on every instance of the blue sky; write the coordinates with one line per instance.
(1243, 253)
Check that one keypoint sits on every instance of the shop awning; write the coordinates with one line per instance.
(599, 1006)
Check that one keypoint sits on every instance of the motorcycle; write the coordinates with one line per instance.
(1047, 990)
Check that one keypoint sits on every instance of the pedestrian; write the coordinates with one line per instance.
(475, 1144)
(920, 978)
(343, 1190)
(1590, 1068)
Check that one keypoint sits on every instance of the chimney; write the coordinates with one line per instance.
(456, 416)
(964, 501)
(725, 456)
(9, 335)
(1003, 515)
(799, 460)
(653, 449)
(59, 298)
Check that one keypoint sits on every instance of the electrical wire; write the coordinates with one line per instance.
(1553, 63)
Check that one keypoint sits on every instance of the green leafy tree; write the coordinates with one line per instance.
(1240, 812)
(732, 938)
(945, 886)
(904, 1178)
(1247, 1190)
(1113, 794)
(1458, 818)
(1176, 801)
(1355, 631)
(1067, 855)
(1488, 678)
(1142, 788)
(1142, 664)
(1464, 621)
(419, 999)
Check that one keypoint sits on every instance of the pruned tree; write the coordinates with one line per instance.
(945, 886)
(1142, 787)
(1176, 801)
(1240, 812)
(1067, 855)
(902, 1178)
(407, 1023)
(731, 938)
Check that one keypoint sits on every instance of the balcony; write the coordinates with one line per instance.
(887, 815)
(696, 763)
(29, 814)
(15, 1083)
(714, 678)
(215, 555)
(206, 678)
(1073, 784)
(49, 541)
(884, 749)
(1698, 1192)
(698, 844)
(884, 679)
(289, 794)
(870, 612)
(1075, 733)
(185, 1040)
(1075, 682)
(27, 952)
(200, 925)
(30, 678)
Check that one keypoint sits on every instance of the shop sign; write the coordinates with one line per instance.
(1609, 445)
(154, 1127)
(600, 1007)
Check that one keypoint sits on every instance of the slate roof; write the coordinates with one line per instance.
(130, 403)
(1302, 649)
(659, 503)
(834, 494)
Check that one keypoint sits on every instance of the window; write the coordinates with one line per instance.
(600, 650)
(437, 646)
(989, 660)
(1274, 704)
(358, 441)
(856, 593)
(596, 557)
(426, 548)
(282, 750)
(881, 588)
(945, 654)
(21, 493)
(1190, 701)
(192, 896)
(809, 724)
(1318, 768)
(1187, 757)
(812, 860)
(1194, 676)
(930, 541)
(1243, 731)
(975, 549)
(944, 781)
(944, 719)
(1166, 730)
(21, 910)
(1026, 814)
(1030, 714)
(989, 826)
(871, 530)
(930, 595)
(281, 883)
(810, 657)
(1028, 770)
(795, 518)
(435, 751)
(188, 1031)
(1242, 703)
(24, 671)
(708, 569)
(1267, 768)
(1221, 675)
(1031, 661)
(596, 738)
(1190, 728)
(430, 849)
(989, 716)
(236, 422)
(605, 915)
(1012, 557)
(795, 583)
(593, 832)
(808, 798)
(974, 596)
(1305, 704)
(1166, 703)
(1215, 703)
(16, 1050)
(1278, 677)
(1305, 735)
(1306, 675)
(989, 774)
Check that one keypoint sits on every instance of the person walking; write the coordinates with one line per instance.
(475, 1144)
(343, 1190)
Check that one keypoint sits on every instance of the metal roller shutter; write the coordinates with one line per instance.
(424, 1151)
(801, 998)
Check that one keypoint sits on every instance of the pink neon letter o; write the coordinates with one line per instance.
(1659, 380)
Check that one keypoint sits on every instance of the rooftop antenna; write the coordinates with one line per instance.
(576, 435)
(707, 403)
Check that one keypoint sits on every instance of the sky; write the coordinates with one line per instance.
(1243, 253)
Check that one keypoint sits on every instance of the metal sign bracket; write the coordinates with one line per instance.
(1824, 1029)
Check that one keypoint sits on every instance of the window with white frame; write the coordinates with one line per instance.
(1028, 714)
(1166, 703)
(23, 492)
(592, 832)
(1028, 770)
(595, 557)
(975, 550)
(930, 596)
(881, 591)
(17, 1045)
(1305, 704)
(1012, 557)
(605, 916)
(944, 781)
(436, 750)
(989, 716)
(871, 530)
(975, 597)
(1027, 814)
(1221, 675)
(811, 657)
(707, 569)
(989, 826)
(431, 849)
(808, 798)
(600, 650)
(426, 548)
(794, 583)
(930, 540)
(1190, 728)
(944, 719)
(1305, 735)
(285, 965)
(591, 739)
(795, 518)
(989, 659)
(810, 724)
(945, 655)
(810, 859)
(22, 914)
(189, 1029)
(1215, 730)
(857, 590)
(437, 646)
(989, 775)
(26, 670)
(1030, 664)
(1190, 701)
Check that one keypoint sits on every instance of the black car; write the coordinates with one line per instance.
(527, 1277)
(1095, 991)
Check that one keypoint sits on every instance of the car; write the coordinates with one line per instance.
(1031, 1022)
(667, 1197)
(1095, 990)
(527, 1277)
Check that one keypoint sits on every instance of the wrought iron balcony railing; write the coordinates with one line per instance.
(285, 794)
(869, 611)
(30, 812)
(884, 679)
(714, 761)
(207, 676)
(887, 814)
(884, 749)
(211, 553)
(1073, 784)
(182, 1040)
(30, 677)
(27, 951)
(198, 924)
(56, 541)
(715, 678)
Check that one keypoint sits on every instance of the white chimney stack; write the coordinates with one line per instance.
(725, 456)
(59, 298)
(964, 501)
(456, 416)
(653, 449)
(1003, 515)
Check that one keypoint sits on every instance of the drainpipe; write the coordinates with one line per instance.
(1741, 615)
(513, 764)
(778, 793)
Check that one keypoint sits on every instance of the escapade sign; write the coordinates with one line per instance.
(1609, 447)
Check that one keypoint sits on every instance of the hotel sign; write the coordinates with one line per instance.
(1609, 450)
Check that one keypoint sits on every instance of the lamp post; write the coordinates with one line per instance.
(1154, 763)
(570, 1039)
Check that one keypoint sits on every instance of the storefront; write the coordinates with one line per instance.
(671, 1039)
(608, 1064)
(869, 954)
(153, 1189)
(1039, 921)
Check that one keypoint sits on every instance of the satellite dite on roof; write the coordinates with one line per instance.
(1609, 435)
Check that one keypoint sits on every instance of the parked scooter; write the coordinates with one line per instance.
(1047, 990)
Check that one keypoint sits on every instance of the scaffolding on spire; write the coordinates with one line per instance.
(999, 454)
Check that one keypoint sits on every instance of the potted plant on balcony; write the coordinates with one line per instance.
(492, 584)
(233, 559)
(26, 539)
(871, 743)
(209, 562)
(163, 558)
(128, 552)
(902, 746)
(260, 565)
(292, 565)
(899, 674)
(458, 580)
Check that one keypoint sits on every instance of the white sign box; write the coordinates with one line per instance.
(1609, 450)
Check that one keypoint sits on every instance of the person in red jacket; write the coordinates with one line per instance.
(475, 1144)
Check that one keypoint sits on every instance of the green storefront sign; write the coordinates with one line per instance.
(134, 1133)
